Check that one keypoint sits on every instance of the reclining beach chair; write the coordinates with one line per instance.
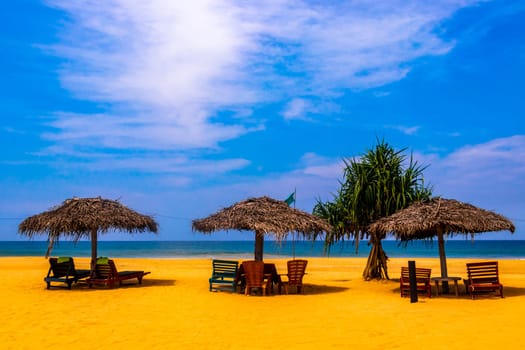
(62, 270)
(422, 281)
(294, 276)
(106, 274)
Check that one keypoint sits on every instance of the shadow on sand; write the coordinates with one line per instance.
(146, 283)
(314, 289)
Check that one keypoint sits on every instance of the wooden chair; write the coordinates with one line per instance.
(294, 277)
(483, 277)
(62, 270)
(254, 276)
(106, 274)
(422, 281)
(224, 273)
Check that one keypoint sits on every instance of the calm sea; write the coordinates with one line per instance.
(244, 249)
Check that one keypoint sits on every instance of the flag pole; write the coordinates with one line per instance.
(293, 234)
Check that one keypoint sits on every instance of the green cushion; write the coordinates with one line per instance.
(103, 260)
(63, 259)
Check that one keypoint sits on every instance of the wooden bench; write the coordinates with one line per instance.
(483, 277)
(62, 270)
(422, 281)
(224, 274)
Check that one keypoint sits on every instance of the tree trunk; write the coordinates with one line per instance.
(376, 266)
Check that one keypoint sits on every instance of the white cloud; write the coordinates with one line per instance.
(297, 108)
(322, 167)
(176, 74)
(140, 132)
(500, 160)
(407, 130)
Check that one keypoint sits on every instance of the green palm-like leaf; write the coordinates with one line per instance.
(375, 185)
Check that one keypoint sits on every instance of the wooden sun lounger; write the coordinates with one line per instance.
(106, 274)
(62, 270)
(483, 277)
(422, 280)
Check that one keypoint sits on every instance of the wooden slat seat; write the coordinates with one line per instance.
(106, 274)
(483, 277)
(62, 270)
(422, 281)
(224, 273)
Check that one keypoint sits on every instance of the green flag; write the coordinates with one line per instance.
(290, 199)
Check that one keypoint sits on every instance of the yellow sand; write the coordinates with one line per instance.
(173, 309)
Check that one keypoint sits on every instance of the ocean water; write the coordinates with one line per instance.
(501, 249)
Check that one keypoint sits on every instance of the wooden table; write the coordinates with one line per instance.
(446, 279)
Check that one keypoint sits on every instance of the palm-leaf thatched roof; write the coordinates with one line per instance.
(78, 217)
(263, 215)
(423, 220)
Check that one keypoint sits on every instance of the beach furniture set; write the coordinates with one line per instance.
(62, 270)
(256, 276)
(482, 277)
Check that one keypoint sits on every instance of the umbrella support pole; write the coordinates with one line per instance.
(443, 262)
(93, 249)
(259, 246)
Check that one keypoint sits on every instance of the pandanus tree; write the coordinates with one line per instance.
(376, 185)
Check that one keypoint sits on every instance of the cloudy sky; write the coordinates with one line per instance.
(178, 109)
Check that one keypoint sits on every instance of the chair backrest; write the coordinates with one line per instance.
(63, 268)
(483, 272)
(253, 272)
(296, 270)
(422, 274)
(225, 268)
(106, 270)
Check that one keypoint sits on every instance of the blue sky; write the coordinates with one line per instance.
(179, 109)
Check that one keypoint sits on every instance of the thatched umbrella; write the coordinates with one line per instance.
(263, 215)
(85, 217)
(440, 217)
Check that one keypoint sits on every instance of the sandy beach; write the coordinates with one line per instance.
(174, 309)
